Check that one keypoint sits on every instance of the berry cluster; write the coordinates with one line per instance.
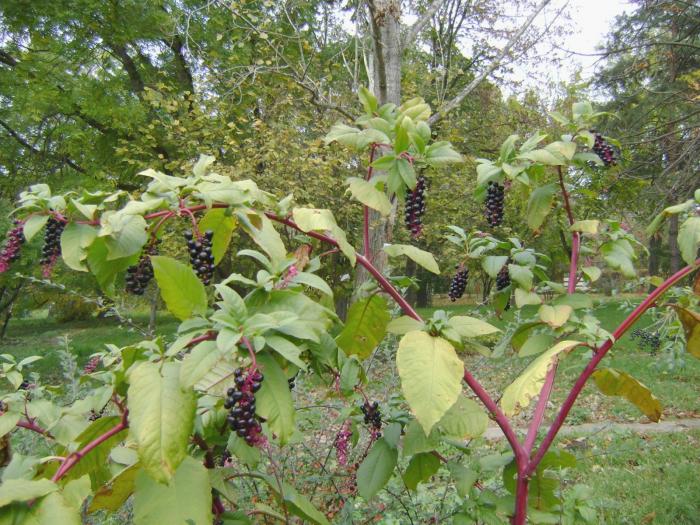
(458, 284)
(52, 244)
(342, 443)
(13, 242)
(372, 415)
(291, 382)
(241, 403)
(91, 365)
(646, 339)
(201, 257)
(503, 277)
(604, 150)
(495, 195)
(94, 415)
(139, 275)
(415, 208)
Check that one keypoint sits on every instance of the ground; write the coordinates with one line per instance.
(636, 477)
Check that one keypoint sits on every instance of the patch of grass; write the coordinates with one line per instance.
(644, 479)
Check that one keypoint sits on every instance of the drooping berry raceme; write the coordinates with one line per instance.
(459, 283)
(414, 208)
(91, 365)
(240, 401)
(139, 275)
(503, 277)
(495, 195)
(342, 443)
(373, 416)
(604, 150)
(52, 245)
(201, 256)
(13, 242)
(647, 339)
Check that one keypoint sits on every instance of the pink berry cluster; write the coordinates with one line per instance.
(13, 242)
(342, 443)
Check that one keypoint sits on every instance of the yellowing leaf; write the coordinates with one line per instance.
(425, 259)
(528, 384)
(691, 326)
(367, 193)
(616, 383)
(555, 316)
(431, 376)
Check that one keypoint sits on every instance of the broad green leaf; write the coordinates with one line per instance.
(8, 420)
(350, 375)
(222, 224)
(296, 503)
(267, 237)
(365, 326)
(24, 490)
(377, 468)
(186, 500)
(343, 134)
(311, 219)
(198, 363)
(575, 300)
(581, 109)
(284, 347)
(367, 193)
(589, 226)
(689, 239)
(406, 172)
(619, 255)
(522, 275)
(492, 264)
(161, 415)
(314, 281)
(431, 376)
(543, 156)
(529, 383)
(616, 383)
(274, 400)
(566, 149)
(691, 325)
(420, 468)
(404, 324)
(536, 344)
(671, 210)
(368, 100)
(201, 167)
(471, 326)
(124, 234)
(75, 241)
(112, 495)
(182, 291)
(421, 257)
(33, 225)
(55, 509)
(464, 478)
(415, 441)
(441, 154)
(540, 204)
(104, 270)
(592, 273)
(555, 316)
(464, 420)
(523, 298)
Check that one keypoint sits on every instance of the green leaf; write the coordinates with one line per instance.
(296, 503)
(404, 324)
(406, 172)
(367, 193)
(420, 468)
(592, 273)
(540, 204)
(222, 224)
(464, 478)
(161, 416)
(186, 500)
(522, 275)
(689, 239)
(350, 375)
(441, 154)
(104, 270)
(124, 234)
(671, 210)
(377, 468)
(182, 291)
(24, 490)
(75, 241)
(310, 219)
(536, 344)
(691, 326)
(619, 255)
(313, 281)
(365, 326)
(267, 237)
(492, 264)
(54, 509)
(198, 363)
(523, 298)
(431, 376)
(529, 383)
(616, 383)
(33, 225)
(464, 420)
(343, 134)
(368, 100)
(286, 349)
(274, 400)
(544, 156)
(589, 226)
(423, 258)
(384, 163)
(575, 300)
(8, 420)
(469, 327)
(113, 495)
(566, 149)
(555, 316)
(415, 441)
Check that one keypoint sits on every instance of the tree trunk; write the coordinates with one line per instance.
(673, 244)
(7, 308)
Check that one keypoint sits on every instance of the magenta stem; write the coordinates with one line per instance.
(30, 425)
(540, 409)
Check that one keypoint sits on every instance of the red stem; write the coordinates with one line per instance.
(540, 409)
(597, 357)
(162, 221)
(209, 336)
(75, 457)
(251, 351)
(30, 425)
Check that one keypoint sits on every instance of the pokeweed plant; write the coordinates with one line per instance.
(180, 424)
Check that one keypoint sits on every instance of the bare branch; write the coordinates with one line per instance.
(456, 101)
(422, 21)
